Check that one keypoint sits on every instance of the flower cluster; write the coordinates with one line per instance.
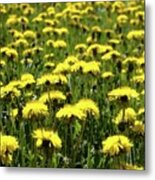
(72, 78)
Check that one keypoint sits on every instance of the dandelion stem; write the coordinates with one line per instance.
(75, 150)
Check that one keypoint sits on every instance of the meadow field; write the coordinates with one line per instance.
(72, 85)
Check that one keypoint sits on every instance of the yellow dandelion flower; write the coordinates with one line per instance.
(36, 50)
(142, 92)
(27, 52)
(9, 144)
(47, 30)
(27, 76)
(48, 79)
(27, 80)
(28, 11)
(9, 91)
(14, 83)
(51, 22)
(1, 83)
(21, 42)
(29, 34)
(138, 127)
(2, 63)
(37, 19)
(3, 50)
(98, 49)
(90, 40)
(59, 44)
(70, 111)
(105, 49)
(76, 18)
(132, 167)
(111, 55)
(109, 33)
(116, 144)
(24, 6)
(93, 49)
(62, 68)
(23, 19)
(3, 10)
(26, 61)
(139, 71)
(88, 106)
(132, 9)
(50, 42)
(34, 109)
(80, 47)
(130, 60)
(84, 27)
(50, 11)
(136, 34)
(78, 66)
(124, 70)
(16, 34)
(47, 138)
(141, 111)
(122, 19)
(138, 78)
(134, 22)
(49, 65)
(91, 67)
(60, 15)
(96, 29)
(107, 75)
(48, 57)
(52, 95)
(129, 116)
(27, 83)
(118, 6)
(71, 60)
(140, 61)
(61, 31)
(6, 160)
(11, 53)
(123, 93)
(43, 15)
(114, 41)
(12, 20)
(140, 15)
(14, 113)
(87, 10)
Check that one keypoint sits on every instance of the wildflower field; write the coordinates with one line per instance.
(72, 85)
